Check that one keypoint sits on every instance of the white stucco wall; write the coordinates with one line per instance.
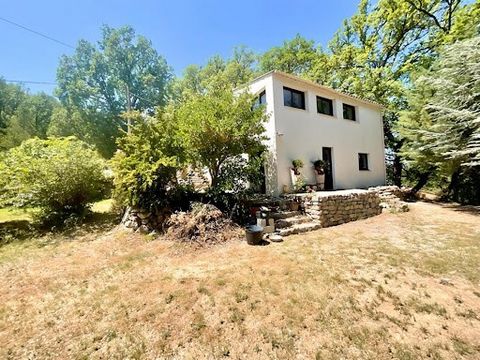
(305, 132)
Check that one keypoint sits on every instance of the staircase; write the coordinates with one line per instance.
(294, 222)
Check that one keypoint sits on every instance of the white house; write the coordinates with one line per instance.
(309, 122)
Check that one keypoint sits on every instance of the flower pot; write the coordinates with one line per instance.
(294, 206)
(293, 178)
(320, 181)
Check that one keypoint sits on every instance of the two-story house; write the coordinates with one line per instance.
(309, 122)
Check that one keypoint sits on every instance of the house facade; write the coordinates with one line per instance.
(312, 122)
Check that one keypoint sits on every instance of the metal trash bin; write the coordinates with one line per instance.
(253, 234)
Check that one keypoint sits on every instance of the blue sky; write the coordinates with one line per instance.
(184, 32)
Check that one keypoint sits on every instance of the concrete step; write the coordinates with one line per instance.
(300, 228)
(290, 221)
(284, 214)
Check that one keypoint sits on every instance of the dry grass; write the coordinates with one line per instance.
(364, 290)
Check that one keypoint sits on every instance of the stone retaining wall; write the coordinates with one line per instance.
(343, 207)
(144, 221)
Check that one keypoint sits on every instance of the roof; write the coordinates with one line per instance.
(314, 84)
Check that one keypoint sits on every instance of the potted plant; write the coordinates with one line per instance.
(294, 204)
(297, 165)
(295, 171)
(319, 167)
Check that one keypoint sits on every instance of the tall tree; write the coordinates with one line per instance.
(11, 96)
(442, 129)
(220, 127)
(30, 119)
(295, 56)
(218, 73)
(122, 72)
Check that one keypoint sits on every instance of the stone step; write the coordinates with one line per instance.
(284, 214)
(290, 221)
(300, 228)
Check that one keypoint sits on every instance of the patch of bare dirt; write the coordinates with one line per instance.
(203, 226)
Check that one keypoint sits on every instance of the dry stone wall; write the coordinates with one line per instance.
(144, 221)
(337, 209)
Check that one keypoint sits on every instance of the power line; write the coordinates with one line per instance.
(36, 32)
(31, 82)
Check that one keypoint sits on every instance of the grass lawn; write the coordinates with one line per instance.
(401, 286)
(12, 214)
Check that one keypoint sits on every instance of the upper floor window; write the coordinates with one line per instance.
(261, 99)
(362, 161)
(293, 98)
(324, 106)
(349, 112)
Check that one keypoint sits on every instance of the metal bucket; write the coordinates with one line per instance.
(253, 234)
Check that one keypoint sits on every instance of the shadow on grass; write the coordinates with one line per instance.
(470, 209)
(24, 230)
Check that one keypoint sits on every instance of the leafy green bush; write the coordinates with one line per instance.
(60, 176)
(146, 164)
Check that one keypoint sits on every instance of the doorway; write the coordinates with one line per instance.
(327, 158)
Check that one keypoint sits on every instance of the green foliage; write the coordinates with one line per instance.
(219, 127)
(442, 128)
(295, 56)
(11, 96)
(122, 72)
(31, 119)
(217, 75)
(297, 163)
(60, 176)
(319, 166)
(91, 127)
(146, 164)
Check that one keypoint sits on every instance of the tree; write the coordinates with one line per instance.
(295, 56)
(122, 72)
(31, 119)
(146, 164)
(217, 74)
(219, 127)
(442, 129)
(11, 96)
(59, 176)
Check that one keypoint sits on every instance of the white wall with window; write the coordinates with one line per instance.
(306, 118)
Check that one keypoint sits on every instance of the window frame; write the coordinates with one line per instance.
(262, 93)
(354, 108)
(294, 91)
(332, 106)
(360, 163)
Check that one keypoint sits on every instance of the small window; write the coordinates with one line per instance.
(324, 106)
(362, 161)
(261, 100)
(349, 112)
(293, 98)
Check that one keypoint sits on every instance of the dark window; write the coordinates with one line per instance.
(293, 98)
(362, 161)
(324, 106)
(349, 112)
(262, 98)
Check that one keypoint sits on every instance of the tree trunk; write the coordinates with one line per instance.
(454, 184)
(422, 180)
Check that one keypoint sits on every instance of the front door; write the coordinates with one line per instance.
(327, 158)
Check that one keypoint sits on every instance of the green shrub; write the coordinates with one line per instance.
(59, 176)
(146, 164)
